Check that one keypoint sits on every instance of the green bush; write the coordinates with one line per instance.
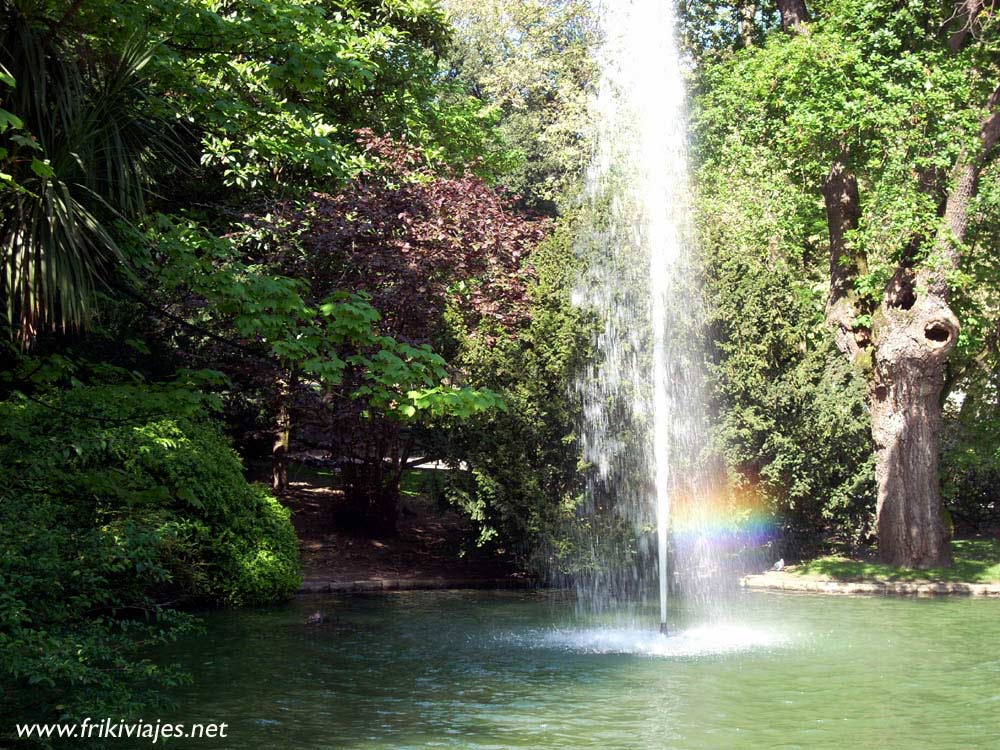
(970, 465)
(789, 410)
(117, 503)
(525, 478)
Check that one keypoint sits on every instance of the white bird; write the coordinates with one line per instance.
(778, 566)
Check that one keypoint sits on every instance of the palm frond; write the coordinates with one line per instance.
(56, 241)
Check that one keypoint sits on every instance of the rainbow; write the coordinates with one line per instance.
(728, 520)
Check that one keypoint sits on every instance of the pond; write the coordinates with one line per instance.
(520, 670)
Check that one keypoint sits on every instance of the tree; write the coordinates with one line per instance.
(794, 15)
(533, 64)
(274, 92)
(525, 477)
(220, 104)
(264, 328)
(116, 484)
(789, 413)
(417, 244)
(119, 498)
(353, 372)
(892, 122)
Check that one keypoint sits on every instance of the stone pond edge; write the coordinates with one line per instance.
(760, 582)
(412, 584)
(786, 582)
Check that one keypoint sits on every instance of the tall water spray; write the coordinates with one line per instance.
(643, 429)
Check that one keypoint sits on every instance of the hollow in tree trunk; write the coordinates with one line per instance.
(913, 335)
(912, 340)
(912, 332)
(903, 354)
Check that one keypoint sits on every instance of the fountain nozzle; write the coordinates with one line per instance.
(663, 628)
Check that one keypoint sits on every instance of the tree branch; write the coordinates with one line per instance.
(964, 178)
(794, 16)
(843, 211)
(160, 312)
(966, 11)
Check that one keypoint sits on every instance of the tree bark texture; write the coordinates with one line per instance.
(282, 434)
(794, 15)
(843, 211)
(913, 332)
(909, 352)
(748, 24)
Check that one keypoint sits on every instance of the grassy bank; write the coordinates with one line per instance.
(976, 561)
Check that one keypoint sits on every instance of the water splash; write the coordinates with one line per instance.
(705, 640)
(644, 431)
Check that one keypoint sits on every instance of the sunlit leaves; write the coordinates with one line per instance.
(118, 497)
(335, 340)
(874, 84)
(532, 63)
(276, 90)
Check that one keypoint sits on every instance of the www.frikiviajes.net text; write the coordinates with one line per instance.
(111, 729)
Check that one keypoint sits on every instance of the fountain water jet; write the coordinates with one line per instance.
(643, 431)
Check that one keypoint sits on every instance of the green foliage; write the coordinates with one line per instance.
(322, 342)
(532, 63)
(75, 153)
(10, 124)
(116, 502)
(275, 91)
(712, 29)
(875, 85)
(525, 479)
(120, 497)
(791, 418)
(970, 466)
(143, 454)
(103, 100)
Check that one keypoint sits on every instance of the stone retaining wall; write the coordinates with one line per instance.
(412, 584)
(791, 582)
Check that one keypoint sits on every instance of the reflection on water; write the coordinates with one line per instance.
(475, 670)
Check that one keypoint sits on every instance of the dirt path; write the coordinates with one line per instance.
(430, 544)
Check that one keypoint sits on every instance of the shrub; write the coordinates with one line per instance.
(118, 502)
(970, 466)
(525, 478)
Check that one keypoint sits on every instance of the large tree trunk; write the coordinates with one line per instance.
(794, 15)
(913, 332)
(911, 346)
(904, 356)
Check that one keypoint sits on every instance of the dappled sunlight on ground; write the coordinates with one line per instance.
(430, 543)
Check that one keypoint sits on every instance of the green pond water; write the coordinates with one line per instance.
(520, 670)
